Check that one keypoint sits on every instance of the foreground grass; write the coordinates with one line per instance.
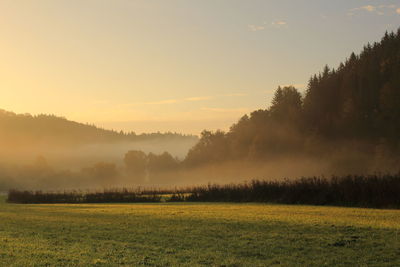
(196, 234)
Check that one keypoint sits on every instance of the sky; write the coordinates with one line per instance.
(176, 65)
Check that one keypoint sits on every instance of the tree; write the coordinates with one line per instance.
(286, 105)
(103, 173)
(136, 164)
(211, 148)
(161, 163)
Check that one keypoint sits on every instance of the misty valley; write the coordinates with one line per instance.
(346, 123)
(186, 133)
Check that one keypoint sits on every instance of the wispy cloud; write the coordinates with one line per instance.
(234, 94)
(323, 16)
(378, 9)
(197, 98)
(174, 101)
(368, 8)
(279, 23)
(255, 28)
(226, 110)
(161, 102)
(388, 6)
(187, 99)
(265, 25)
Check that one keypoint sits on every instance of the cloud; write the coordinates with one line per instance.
(174, 101)
(379, 10)
(161, 102)
(226, 110)
(255, 28)
(279, 23)
(235, 94)
(265, 25)
(197, 98)
(187, 99)
(369, 8)
(387, 6)
(398, 11)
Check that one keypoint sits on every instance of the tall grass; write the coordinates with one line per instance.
(105, 196)
(375, 191)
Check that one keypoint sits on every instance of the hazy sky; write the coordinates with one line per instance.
(176, 65)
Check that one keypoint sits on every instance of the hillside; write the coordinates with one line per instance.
(26, 129)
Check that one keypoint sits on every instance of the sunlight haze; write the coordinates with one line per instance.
(180, 66)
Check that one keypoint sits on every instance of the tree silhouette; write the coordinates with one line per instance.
(360, 100)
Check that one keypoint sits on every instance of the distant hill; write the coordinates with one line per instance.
(26, 129)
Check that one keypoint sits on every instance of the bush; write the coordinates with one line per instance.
(373, 191)
(106, 196)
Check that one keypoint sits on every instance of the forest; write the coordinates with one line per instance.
(347, 114)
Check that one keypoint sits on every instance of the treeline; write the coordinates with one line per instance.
(76, 197)
(355, 107)
(374, 191)
(26, 129)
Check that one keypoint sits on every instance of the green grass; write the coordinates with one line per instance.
(169, 234)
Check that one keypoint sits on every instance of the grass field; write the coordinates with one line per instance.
(169, 234)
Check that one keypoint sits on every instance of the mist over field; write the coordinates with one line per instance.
(78, 156)
(106, 166)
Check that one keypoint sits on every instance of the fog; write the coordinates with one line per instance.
(249, 151)
(50, 166)
(85, 155)
(94, 167)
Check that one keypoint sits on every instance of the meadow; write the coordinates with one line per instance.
(197, 234)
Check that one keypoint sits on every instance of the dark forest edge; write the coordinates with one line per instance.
(355, 108)
(372, 191)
